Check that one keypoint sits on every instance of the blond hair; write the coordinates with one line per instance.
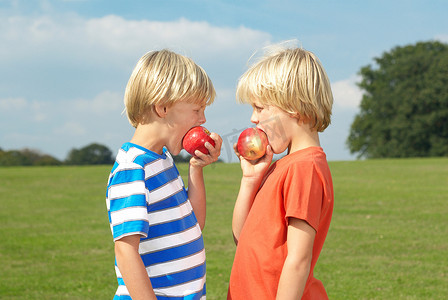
(163, 78)
(292, 79)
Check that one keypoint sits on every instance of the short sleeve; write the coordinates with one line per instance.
(303, 192)
(126, 195)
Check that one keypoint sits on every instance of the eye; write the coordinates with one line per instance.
(258, 108)
(197, 109)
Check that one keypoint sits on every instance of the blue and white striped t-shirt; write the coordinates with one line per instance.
(146, 196)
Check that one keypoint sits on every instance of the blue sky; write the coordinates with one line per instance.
(64, 65)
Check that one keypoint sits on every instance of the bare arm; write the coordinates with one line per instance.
(196, 193)
(243, 204)
(253, 172)
(132, 268)
(296, 269)
(196, 186)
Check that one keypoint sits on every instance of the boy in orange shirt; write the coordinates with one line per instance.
(283, 211)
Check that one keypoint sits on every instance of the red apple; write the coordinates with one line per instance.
(252, 143)
(195, 139)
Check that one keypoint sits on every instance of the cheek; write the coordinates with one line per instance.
(277, 136)
(278, 145)
(183, 122)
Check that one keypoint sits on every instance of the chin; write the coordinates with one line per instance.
(278, 150)
(174, 152)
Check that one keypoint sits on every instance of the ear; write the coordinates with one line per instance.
(295, 115)
(160, 110)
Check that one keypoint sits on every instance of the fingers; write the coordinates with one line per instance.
(269, 153)
(214, 152)
(215, 137)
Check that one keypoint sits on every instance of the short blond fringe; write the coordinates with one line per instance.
(163, 78)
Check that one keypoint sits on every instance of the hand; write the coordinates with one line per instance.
(201, 160)
(255, 169)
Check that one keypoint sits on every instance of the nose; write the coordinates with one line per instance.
(202, 118)
(254, 117)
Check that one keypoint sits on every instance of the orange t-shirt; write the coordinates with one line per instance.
(300, 186)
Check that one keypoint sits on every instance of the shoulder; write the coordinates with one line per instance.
(305, 163)
(131, 156)
(308, 157)
(130, 164)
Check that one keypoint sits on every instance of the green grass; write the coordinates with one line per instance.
(389, 234)
(388, 238)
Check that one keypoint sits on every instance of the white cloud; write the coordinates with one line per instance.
(16, 108)
(74, 114)
(95, 40)
(119, 34)
(12, 104)
(346, 93)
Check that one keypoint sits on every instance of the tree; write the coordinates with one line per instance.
(26, 157)
(404, 109)
(37, 158)
(14, 158)
(181, 158)
(93, 154)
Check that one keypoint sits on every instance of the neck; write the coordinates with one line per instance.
(148, 136)
(305, 138)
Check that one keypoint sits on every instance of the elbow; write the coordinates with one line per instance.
(201, 222)
(236, 233)
(304, 267)
(200, 215)
(307, 267)
(201, 225)
(235, 239)
(299, 265)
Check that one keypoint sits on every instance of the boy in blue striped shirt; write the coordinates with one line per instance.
(155, 222)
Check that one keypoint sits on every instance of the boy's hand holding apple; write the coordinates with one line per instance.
(204, 146)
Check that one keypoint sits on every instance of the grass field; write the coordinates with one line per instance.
(388, 238)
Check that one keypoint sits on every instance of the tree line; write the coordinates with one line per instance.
(92, 154)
